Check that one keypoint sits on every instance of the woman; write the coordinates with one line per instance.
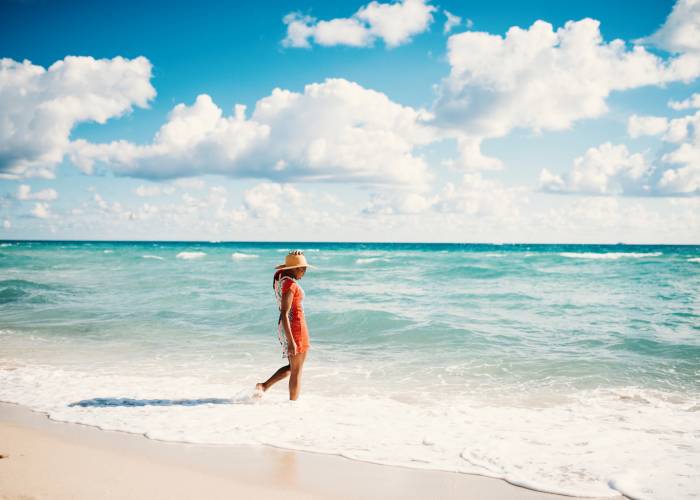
(291, 326)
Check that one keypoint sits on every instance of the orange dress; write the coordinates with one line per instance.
(300, 332)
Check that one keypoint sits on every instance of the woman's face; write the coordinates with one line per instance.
(299, 272)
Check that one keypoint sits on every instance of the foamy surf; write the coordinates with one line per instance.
(609, 255)
(369, 260)
(243, 256)
(191, 255)
(156, 257)
(598, 443)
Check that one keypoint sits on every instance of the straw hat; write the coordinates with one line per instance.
(295, 258)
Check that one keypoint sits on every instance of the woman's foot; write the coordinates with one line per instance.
(259, 390)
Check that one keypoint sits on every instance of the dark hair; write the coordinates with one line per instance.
(281, 273)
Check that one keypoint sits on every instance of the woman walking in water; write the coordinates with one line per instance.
(291, 326)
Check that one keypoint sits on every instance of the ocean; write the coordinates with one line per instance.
(572, 369)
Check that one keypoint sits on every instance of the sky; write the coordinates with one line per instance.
(412, 120)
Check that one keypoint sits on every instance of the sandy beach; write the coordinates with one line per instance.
(43, 459)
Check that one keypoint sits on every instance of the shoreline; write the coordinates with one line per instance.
(44, 458)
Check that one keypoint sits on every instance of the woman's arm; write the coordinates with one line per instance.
(284, 318)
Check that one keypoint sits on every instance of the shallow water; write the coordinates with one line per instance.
(567, 368)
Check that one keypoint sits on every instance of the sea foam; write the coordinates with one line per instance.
(369, 260)
(243, 256)
(191, 255)
(595, 443)
(609, 255)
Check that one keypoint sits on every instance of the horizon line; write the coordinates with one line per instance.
(216, 242)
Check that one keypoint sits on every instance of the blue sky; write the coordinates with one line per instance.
(392, 164)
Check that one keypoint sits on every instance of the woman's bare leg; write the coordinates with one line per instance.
(296, 363)
(276, 377)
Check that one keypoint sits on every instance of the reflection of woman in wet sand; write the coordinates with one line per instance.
(291, 326)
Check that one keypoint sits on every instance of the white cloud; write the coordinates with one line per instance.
(606, 169)
(474, 196)
(6, 224)
(270, 200)
(333, 131)
(684, 179)
(398, 203)
(394, 23)
(598, 219)
(451, 22)
(342, 32)
(681, 31)
(543, 80)
(691, 102)
(189, 183)
(39, 107)
(149, 191)
(24, 193)
(646, 125)
(471, 157)
(41, 211)
(194, 139)
(479, 196)
(100, 201)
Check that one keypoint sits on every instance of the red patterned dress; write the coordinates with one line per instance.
(300, 332)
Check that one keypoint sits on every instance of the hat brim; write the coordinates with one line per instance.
(282, 267)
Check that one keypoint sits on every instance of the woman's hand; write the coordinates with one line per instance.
(292, 348)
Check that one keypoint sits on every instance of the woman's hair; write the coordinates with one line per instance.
(280, 274)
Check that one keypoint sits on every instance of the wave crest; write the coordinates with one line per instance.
(609, 255)
(243, 256)
(191, 255)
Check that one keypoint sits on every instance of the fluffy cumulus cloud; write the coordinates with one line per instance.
(451, 22)
(612, 169)
(646, 125)
(606, 169)
(684, 175)
(678, 170)
(480, 196)
(541, 79)
(394, 23)
(269, 200)
(333, 131)
(475, 196)
(681, 31)
(150, 191)
(691, 102)
(397, 203)
(39, 107)
(41, 211)
(24, 192)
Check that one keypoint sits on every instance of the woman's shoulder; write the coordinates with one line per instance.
(288, 284)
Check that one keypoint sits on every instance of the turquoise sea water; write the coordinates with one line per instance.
(567, 368)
